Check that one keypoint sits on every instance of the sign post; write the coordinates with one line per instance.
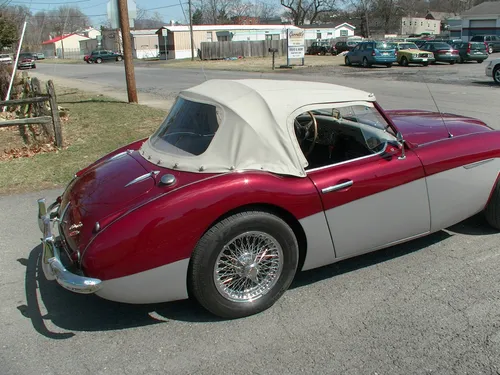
(295, 45)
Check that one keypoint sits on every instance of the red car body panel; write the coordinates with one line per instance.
(166, 229)
(420, 127)
(147, 225)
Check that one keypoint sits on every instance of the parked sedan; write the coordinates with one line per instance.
(372, 53)
(493, 70)
(443, 52)
(26, 60)
(180, 214)
(409, 53)
(472, 51)
(102, 56)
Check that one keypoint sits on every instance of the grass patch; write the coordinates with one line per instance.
(96, 126)
(254, 64)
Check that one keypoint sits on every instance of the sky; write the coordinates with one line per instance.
(96, 9)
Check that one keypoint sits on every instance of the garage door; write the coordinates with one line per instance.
(483, 24)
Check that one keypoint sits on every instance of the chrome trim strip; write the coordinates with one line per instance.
(478, 163)
(348, 161)
(337, 187)
(119, 155)
(51, 259)
(143, 177)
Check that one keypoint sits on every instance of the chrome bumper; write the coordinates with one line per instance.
(51, 259)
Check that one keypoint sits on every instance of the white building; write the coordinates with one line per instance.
(66, 46)
(175, 40)
(483, 19)
(328, 31)
(419, 25)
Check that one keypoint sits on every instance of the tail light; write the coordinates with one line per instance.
(486, 45)
(468, 48)
(441, 51)
(454, 52)
(373, 53)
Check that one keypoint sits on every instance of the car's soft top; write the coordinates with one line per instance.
(255, 129)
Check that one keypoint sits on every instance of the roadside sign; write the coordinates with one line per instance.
(295, 45)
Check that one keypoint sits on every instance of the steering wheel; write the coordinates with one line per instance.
(303, 132)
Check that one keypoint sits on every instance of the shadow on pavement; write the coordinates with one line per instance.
(74, 312)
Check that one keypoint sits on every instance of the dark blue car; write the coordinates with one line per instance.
(372, 53)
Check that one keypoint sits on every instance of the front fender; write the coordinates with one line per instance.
(166, 229)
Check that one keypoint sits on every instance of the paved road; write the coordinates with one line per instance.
(481, 101)
(429, 306)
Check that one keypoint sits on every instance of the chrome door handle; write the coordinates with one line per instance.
(341, 186)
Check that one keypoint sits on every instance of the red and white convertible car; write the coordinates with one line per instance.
(247, 182)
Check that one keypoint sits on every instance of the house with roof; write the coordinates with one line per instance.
(175, 41)
(315, 32)
(483, 19)
(64, 46)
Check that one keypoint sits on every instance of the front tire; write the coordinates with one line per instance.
(492, 211)
(490, 49)
(243, 264)
(347, 61)
(119, 58)
(98, 60)
(404, 61)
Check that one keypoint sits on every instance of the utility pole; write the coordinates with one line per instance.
(191, 30)
(127, 51)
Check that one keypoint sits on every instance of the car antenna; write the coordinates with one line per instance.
(440, 113)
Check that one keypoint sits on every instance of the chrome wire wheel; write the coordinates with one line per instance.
(248, 266)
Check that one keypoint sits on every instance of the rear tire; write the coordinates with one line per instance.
(243, 264)
(119, 58)
(479, 61)
(389, 65)
(490, 49)
(496, 74)
(98, 60)
(452, 62)
(366, 64)
(492, 211)
(347, 61)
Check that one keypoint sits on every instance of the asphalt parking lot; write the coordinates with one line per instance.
(430, 306)
(469, 73)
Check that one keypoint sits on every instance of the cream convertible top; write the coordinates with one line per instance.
(256, 130)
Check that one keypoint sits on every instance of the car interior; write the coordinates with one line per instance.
(334, 135)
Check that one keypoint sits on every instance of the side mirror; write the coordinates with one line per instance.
(401, 141)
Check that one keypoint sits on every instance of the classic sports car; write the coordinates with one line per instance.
(247, 182)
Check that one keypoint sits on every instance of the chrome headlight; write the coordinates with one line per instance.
(415, 55)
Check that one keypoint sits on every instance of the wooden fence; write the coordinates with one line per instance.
(50, 123)
(259, 48)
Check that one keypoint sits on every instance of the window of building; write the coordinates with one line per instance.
(343, 33)
(209, 36)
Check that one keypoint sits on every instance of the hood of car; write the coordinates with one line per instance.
(420, 127)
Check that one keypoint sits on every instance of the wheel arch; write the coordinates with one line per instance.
(280, 212)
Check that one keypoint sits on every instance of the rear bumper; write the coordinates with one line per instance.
(447, 57)
(52, 266)
(383, 59)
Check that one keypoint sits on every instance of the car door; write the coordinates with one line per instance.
(354, 55)
(373, 201)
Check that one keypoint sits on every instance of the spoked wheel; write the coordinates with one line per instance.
(243, 264)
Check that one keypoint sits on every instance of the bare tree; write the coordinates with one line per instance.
(300, 10)
(148, 20)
